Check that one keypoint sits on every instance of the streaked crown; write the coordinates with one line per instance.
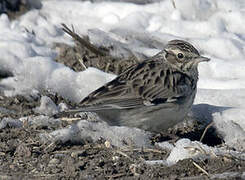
(183, 55)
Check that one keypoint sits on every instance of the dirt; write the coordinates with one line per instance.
(24, 156)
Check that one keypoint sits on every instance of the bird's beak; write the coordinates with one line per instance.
(201, 59)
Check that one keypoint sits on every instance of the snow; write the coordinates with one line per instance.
(40, 121)
(215, 27)
(47, 106)
(13, 123)
(95, 130)
(184, 149)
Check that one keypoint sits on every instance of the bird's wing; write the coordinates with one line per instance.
(150, 81)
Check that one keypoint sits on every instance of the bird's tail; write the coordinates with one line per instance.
(70, 112)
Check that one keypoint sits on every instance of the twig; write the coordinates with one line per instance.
(144, 150)
(202, 149)
(123, 154)
(199, 167)
(69, 119)
(50, 146)
(81, 62)
(173, 3)
(82, 41)
(205, 131)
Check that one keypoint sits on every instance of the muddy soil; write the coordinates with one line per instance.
(24, 156)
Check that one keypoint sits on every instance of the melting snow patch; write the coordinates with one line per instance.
(185, 149)
(86, 130)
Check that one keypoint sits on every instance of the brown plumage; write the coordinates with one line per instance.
(154, 94)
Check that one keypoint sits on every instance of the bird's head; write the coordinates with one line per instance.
(183, 55)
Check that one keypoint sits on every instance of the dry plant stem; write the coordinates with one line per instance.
(69, 119)
(144, 150)
(199, 167)
(205, 131)
(123, 154)
(82, 41)
(80, 60)
(174, 5)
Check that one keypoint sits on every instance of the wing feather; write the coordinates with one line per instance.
(147, 81)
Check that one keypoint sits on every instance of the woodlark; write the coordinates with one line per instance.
(152, 95)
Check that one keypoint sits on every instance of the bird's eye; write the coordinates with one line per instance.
(180, 55)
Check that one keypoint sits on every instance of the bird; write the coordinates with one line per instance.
(153, 95)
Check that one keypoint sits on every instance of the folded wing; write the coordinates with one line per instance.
(147, 83)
